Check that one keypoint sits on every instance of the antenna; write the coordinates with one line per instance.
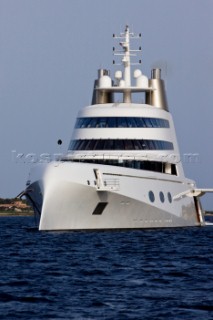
(126, 53)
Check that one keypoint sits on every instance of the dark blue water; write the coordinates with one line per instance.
(151, 274)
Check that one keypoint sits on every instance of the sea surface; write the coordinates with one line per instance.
(143, 274)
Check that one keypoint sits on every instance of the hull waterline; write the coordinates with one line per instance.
(69, 203)
(123, 167)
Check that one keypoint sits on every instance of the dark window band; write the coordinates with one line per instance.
(155, 166)
(120, 144)
(121, 122)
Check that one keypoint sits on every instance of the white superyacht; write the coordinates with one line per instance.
(121, 169)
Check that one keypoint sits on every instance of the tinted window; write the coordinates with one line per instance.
(151, 196)
(144, 144)
(85, 123)
(155, 166)
(139, 122)
(120, 144)
(128, 145)
(101, 123)
(111, 122)
(154, 122)
(100, 145)
(121, 122)
(91, 144)
(137, 145)
(109, 144)
(93, 123)
(148, 123)
(161, 195)
(130, 122)
(169, 197)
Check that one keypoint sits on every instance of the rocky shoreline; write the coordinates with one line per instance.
(15, 207)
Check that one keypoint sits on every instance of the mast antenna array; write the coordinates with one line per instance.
(126, 52)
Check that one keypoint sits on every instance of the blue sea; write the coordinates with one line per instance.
(143, 274)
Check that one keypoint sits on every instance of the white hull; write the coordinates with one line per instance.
(123, 168)
(69, 202)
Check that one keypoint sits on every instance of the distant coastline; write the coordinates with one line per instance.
(15, 207)
(19, 207)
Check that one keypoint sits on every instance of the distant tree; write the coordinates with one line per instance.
(6, 200)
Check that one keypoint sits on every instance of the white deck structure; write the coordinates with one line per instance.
(121, 168)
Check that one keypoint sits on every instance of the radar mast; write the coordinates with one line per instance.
(126, 61)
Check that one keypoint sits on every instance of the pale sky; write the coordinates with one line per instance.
(50, 51)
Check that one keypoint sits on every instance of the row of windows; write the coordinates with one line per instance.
(121, 122)
(120, 144)
(155, 166)
(161, 196)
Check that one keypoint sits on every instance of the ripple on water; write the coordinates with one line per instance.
(145, 274)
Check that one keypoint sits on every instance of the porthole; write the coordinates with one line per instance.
(151, 196)
(169, 197)
(162, 199)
